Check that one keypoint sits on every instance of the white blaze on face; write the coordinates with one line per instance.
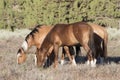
(18, 55)
(25, 46)
(35, 60)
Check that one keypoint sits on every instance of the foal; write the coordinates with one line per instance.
(67, 35)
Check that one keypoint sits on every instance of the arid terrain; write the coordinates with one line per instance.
(10, 70)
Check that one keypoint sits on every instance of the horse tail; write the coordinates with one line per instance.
(104, 44)
(91, 43)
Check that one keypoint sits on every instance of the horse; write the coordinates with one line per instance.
(67, 35)
(101, 40)
(34, 38)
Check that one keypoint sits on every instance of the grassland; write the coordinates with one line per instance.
(10, 70)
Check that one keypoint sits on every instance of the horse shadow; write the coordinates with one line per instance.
(108, 60)
(82, 60)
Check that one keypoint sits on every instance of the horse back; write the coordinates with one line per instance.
(71, 34)
(99, 30)
(82, 32)
(62, 34)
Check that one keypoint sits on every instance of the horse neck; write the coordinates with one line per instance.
(31, 42)
(27, 43)
(46, 45)
(39, 37)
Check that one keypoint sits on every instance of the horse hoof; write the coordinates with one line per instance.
(73, 62)
(88, 62)
(54, 66)
(62, 62)
(93, 63)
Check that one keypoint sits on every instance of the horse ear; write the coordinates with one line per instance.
(19, 50)
(22, 50)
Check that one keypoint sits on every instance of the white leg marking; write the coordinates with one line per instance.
(73, 62)
(18, 55)
(93, 64)
(95, 61)
(88, 62)
(62, 62)
(35, 60)
(25, 46)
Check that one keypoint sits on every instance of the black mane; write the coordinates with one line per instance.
(32, 32)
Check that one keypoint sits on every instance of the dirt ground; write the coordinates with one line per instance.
(10, 70)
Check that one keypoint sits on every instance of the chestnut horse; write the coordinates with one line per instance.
(67, 35)
(34, 38)
(100, 38)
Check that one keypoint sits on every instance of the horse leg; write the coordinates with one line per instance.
(63, 56)
(37, 51)
(72, 60)
(50, 58)
(101, 55)
(104, 45)
(90, 56)
(100, 52)
(72, 53)
(56, 47)
(78, 50)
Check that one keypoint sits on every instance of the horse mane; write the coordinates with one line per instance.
(32, 32)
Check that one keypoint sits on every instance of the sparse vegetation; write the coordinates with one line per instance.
(6, 34)
(113, 33)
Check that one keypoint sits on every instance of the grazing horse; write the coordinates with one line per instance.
(34, 38)
(100, 38)
(67, 35)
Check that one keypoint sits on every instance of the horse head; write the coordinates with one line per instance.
(21, 56)
(40, 58)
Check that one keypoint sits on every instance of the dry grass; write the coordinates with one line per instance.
(5, 34)
(113, 33)
(10, 70)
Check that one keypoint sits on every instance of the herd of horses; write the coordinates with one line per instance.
(48, 39)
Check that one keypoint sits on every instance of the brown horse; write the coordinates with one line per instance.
(100, 38)
(67, 35)
(34, 38)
